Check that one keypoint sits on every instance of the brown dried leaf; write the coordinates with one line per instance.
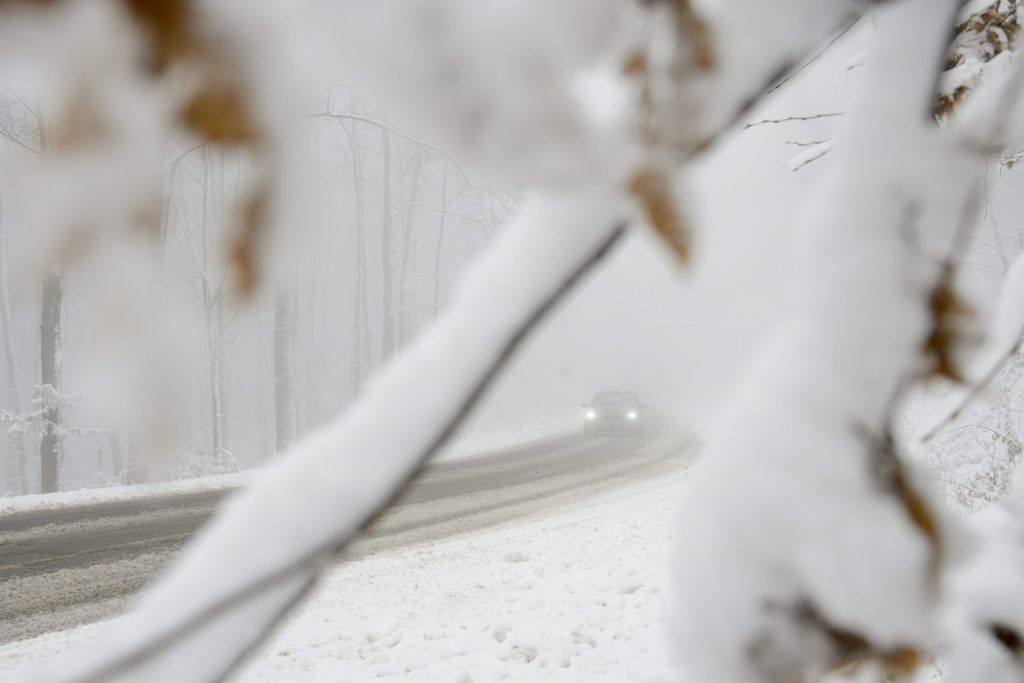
(79, 123)
(850, 650)
(901, 662)
(947, 316)
(1009, 638)
(167, 25)
(219, 113)
(984, 35)
(653, 191)
(696, 33)
(637, 68)
(920, 514)
(890, 475)
(245, 251)
(636, 65)
(948, 103)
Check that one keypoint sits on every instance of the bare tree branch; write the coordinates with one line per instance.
(787, 119)
(394, 131)
(825, 48)
(13, 137)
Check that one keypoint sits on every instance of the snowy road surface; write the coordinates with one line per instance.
(62, 568)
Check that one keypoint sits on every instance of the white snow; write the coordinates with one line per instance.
(789, 522)
(110, 494)
(573, 597)
(812, 154)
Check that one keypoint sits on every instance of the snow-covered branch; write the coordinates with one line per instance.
(229, 589)
(828, 554)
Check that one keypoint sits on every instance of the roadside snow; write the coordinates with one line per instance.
(110, 494)
(573, 597)
(474, 444)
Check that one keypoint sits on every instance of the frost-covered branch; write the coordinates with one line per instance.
(343, 116)
(10, 135)
(47, 402)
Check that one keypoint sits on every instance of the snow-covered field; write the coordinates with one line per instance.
(571, 597)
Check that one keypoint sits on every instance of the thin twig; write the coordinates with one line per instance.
(809, 143)
(13, 137)
(394, 131)
(1008, 103)
(814, 155)
(973, 393)
(797, 71)
(787, 119)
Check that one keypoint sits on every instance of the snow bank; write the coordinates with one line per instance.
(110, 494)
(484, 443)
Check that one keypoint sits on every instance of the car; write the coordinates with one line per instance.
(614, 412)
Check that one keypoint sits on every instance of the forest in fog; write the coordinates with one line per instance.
(397, 218)
(407, 217)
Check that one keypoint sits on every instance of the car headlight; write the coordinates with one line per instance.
(591, 414)
(632, 416)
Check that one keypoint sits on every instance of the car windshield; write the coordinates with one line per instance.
(617, 399)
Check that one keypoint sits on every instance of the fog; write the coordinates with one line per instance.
(399, 220)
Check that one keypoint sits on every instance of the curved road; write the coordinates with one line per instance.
(62, 568)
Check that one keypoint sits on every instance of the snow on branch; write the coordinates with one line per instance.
(229, 590)
(985, 37)
(808, 545)
(1003, 342)
(47, 402)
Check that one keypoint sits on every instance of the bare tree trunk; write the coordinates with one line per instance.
(360, 360)
(117, 463)
(265, 410)
(216, 387)
(310, 413)
(211, 311)
(440, 242)
(49, 354)
(284, 369)
(401, 315)
(387, 341)
(16, 464)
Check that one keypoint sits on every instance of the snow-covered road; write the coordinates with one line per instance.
(62, 568)
(570, 590)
